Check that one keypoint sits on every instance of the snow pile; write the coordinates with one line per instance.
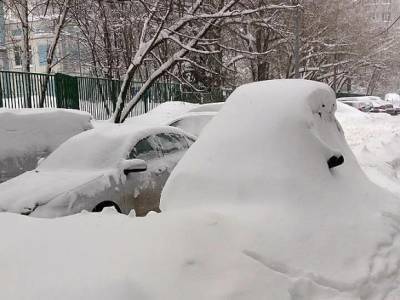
(26, 135)
(375, 140)
(393, 98)
(327, 230)
(251, 212)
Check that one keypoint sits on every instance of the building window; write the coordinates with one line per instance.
(43, 49)
(17, 55)
(386, 16)
(16, 32)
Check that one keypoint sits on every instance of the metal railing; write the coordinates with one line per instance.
(97, 96)
(23, 90)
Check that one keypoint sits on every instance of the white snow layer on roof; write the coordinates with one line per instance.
(162, 113)
(286, 227)
(28, 134)
(208, 107)
(100, 148)
(26, 130)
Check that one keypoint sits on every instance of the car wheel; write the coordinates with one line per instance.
(99, 207)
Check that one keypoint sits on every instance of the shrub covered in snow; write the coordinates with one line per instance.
(27, 134)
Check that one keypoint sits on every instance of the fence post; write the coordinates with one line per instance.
(67, 94)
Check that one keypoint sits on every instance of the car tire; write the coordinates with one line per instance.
(99, 207)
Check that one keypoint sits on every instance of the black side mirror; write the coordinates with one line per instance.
(335, 160)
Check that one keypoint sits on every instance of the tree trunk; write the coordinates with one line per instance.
(25, 51)
(52, 50)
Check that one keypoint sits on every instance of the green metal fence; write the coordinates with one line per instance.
(97, 96)
(23, 90)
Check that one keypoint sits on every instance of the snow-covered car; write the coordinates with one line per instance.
(331, 233)
(27, 134)
(394, 99)
(193, 122)
(361, 103)
(209, 107)
(370, 104)
(123, 166)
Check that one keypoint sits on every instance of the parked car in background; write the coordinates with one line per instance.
(361, 103)
(209, 107)
(370, 104)
(28, 134)
(394, 99)
(123, 166)
(382, 106)
(192, 122)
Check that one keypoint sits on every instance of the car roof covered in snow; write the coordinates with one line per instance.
(102, 147)
(208, 107)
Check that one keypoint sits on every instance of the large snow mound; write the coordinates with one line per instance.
(264, 156)
(28, 134)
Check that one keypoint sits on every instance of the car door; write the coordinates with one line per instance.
(142, 190)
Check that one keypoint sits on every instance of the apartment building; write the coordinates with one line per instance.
(382, 11)
(3, 49)
(41, 33)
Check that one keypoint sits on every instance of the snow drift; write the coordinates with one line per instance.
(28, 134)
(264, 158)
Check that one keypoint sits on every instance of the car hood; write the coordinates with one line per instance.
(32, 189)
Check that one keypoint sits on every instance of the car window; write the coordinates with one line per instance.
(144, 149)
(182, 140)
(171, 142)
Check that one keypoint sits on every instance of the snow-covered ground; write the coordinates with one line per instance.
(375, 140)
(251, 212)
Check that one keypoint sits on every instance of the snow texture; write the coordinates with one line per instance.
(28, 134)
(264, 158)
(251, 212)
(162, 113)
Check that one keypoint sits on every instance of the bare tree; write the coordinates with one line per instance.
(52, 48)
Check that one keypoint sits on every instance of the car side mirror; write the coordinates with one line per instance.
(134, 166)
(335, 160)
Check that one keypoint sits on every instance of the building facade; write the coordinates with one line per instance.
(42, 26)
(40, 38)
(3, 49)
(382, 11)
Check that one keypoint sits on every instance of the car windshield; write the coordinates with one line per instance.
(193, 124)
(89, 150)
